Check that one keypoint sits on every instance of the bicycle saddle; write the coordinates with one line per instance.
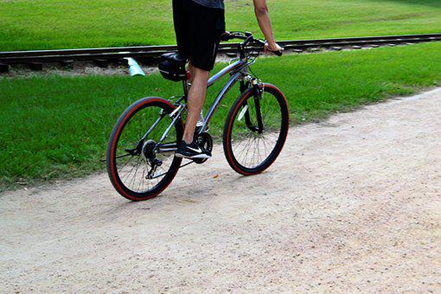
(172, 66)
(175, 57)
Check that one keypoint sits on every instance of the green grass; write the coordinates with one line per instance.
(57, 127)
(49, 24)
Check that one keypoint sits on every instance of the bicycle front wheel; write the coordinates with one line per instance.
(256, 130)
(140, 158)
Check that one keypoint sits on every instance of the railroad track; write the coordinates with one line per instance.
(150, 54)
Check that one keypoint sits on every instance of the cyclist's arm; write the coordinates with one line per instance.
(262, 14)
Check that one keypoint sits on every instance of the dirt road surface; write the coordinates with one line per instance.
(352, 204)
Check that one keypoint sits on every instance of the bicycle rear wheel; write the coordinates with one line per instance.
(256, 129)
(138, 166)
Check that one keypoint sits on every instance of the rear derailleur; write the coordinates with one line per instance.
(148, 150)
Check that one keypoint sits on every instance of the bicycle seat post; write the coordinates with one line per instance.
(186, 86)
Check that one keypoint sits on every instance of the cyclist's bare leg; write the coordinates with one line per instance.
(195, 102)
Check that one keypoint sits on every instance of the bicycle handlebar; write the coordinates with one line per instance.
(248, 40)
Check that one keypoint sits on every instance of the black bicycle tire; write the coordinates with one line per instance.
(227, 143)
(113, 141)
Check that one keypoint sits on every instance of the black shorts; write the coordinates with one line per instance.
(198, 30)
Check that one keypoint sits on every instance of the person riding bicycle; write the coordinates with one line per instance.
(199, 25)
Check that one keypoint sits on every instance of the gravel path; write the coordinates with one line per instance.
(353, 204)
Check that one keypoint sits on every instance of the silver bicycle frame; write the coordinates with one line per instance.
(237, 70)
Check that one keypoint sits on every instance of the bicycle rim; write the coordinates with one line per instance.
(250, 151)
(137, 170)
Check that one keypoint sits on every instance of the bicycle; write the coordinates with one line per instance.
(140, 154)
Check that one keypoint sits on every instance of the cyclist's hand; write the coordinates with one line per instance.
(273, 48)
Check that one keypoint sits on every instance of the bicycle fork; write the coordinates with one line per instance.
(257, 90)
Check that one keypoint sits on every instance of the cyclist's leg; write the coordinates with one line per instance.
(196, 98)
(204, 36)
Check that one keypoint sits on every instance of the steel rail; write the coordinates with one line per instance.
(113, 54)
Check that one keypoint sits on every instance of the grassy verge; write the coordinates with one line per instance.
(48, 24)
(57, 127)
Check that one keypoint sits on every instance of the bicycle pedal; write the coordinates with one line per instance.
(200, 160)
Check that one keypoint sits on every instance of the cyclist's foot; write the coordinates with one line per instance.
(192, 151)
